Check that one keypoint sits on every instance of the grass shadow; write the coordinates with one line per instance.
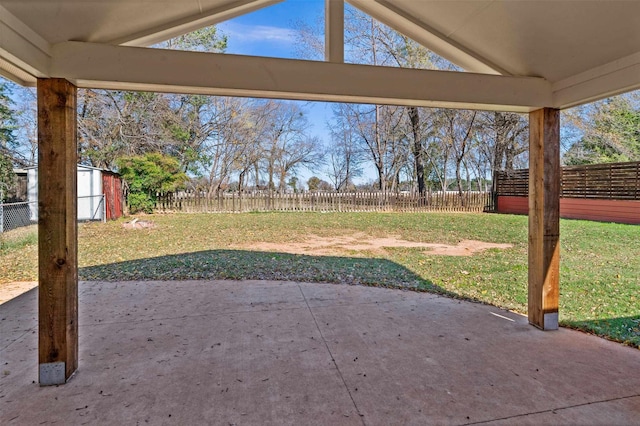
(260, 265)
(625, 330)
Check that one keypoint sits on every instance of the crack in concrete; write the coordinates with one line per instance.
(344, 382)
(552, 410)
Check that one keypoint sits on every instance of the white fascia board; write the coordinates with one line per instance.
(620, 76)
(11, 72)
(134, 68)
(430, 38)
(214, 16)
(23, 53)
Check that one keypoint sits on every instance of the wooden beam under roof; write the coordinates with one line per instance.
(619, 76)
(151, 36)
(387, 13)
(334, 31)
(24, 55)
(133, 68)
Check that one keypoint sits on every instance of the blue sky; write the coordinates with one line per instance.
(271, 31)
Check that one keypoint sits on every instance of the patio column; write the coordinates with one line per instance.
(544, 217)
(57, 231)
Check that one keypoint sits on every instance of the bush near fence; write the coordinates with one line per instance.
(269, 201)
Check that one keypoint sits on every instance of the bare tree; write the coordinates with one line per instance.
(286, 143)
(457, 127)
(345, 156)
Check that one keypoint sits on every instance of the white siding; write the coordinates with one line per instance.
(90, 201)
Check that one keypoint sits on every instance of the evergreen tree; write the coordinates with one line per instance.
(7, 140)
(146, 175)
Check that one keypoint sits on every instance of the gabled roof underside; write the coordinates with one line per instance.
(550, 53)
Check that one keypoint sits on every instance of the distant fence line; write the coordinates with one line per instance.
(266, 201)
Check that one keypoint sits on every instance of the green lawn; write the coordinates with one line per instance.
(600, 269)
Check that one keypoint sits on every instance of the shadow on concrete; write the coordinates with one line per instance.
(278, 266)
(283, 352)
(260, 265)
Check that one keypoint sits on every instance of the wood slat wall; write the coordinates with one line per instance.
(612, 181)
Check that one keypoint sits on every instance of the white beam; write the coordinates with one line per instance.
(11, 72)
(24, 54)
(132, 68)
(334, 31)
(186, 25)
(432, 39)
(607, 80)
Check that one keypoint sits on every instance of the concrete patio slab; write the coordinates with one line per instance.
(255, 352)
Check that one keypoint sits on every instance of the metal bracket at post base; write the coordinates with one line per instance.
(52, 373)
(550, 322)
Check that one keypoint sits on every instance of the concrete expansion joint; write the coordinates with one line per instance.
(333, 360)
(553, 410)
(17, 339)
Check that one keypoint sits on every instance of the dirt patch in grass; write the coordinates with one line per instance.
(10, 290)
(331, 246)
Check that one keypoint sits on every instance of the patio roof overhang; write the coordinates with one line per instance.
(549, 54)
(527, 56)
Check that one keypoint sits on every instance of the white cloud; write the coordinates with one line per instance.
(257, 33)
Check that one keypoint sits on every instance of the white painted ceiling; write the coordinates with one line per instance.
(581, 49)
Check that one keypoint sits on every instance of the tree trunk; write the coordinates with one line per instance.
(270, 171)
(414, 117)
(501, 142)
(459, 181)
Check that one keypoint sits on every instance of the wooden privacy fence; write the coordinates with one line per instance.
(613, 181)
(602, 192)
(264, 201)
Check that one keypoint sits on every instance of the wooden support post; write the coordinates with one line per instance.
(57, 231)
(544, 217)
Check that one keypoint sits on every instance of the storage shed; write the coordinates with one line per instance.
(99, 193)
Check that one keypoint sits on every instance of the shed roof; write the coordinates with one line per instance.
(79, 166)
(545, 54)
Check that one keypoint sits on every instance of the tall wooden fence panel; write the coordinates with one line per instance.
(603, 192)
(614, 181)
(267, 201)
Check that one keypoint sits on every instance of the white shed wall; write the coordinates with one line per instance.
(90, 198)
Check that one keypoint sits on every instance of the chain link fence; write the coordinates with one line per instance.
(17, 215)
